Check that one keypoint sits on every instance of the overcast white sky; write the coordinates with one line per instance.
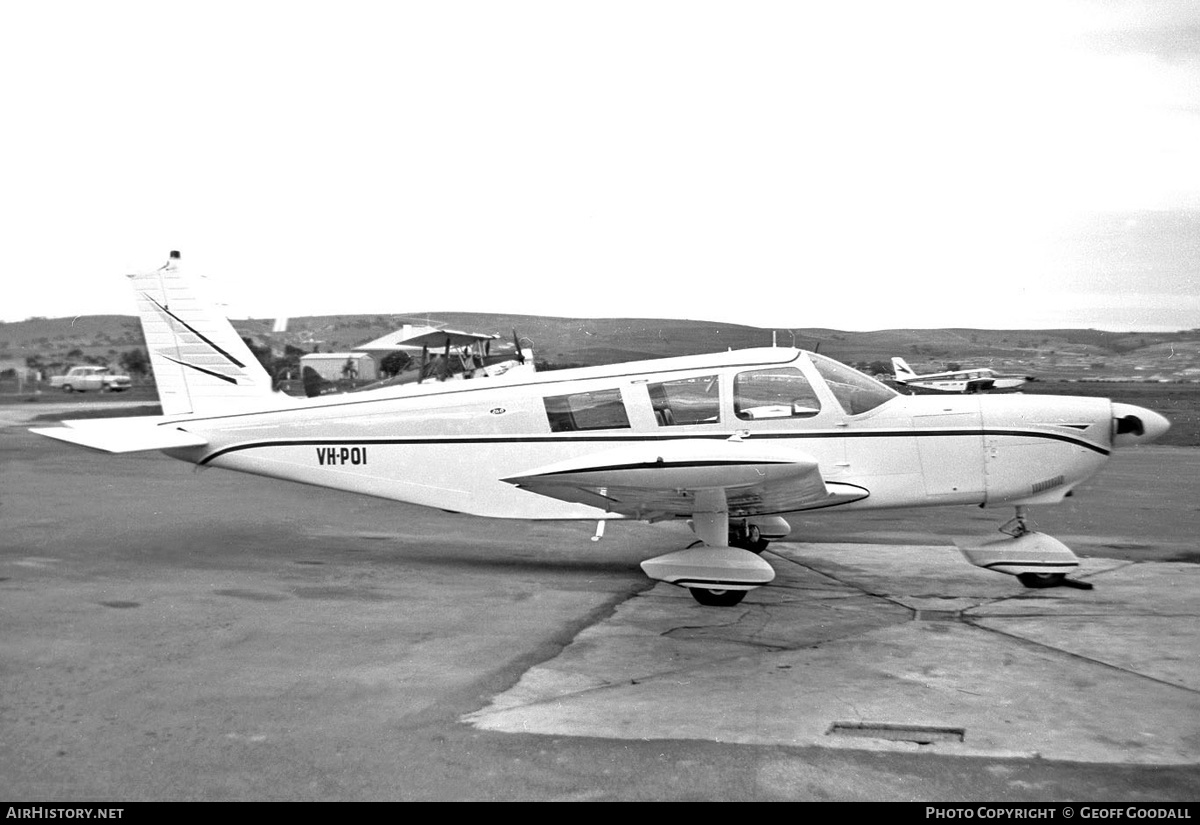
(862, 165)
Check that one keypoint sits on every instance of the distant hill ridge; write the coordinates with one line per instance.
(562, 340)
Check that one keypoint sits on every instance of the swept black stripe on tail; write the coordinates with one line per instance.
(214, 374)
(195, 332)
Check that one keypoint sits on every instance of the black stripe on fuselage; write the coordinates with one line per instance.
(560, 439)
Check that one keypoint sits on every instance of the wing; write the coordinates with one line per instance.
(432, 338)
(661, 479)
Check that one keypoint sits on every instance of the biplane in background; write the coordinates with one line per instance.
(433, 354)
(977, 379)
(732, 443)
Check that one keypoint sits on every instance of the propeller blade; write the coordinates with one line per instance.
(517, 341)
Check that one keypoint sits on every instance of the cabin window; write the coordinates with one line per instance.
(686, 401)
(782, 392)
(600, 410)
(857, 393)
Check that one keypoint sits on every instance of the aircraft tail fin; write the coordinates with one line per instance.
(201, 364)
(315, 384)
(902, 370)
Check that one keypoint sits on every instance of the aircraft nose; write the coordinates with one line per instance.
(1136, 425)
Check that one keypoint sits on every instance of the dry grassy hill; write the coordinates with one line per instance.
(1050, 354)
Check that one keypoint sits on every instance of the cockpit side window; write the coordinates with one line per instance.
(599, 410)
(686, 401)
(780, 392)
(857, 393)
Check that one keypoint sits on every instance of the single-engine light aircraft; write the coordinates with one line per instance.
(732, 443)
(972, 379)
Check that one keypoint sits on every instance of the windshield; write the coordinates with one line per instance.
(857, 393)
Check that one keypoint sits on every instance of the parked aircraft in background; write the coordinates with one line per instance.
(732, 443)
(968, 380)
(436, 355)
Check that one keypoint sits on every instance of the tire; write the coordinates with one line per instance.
(68, 388)
(1041, 580)
(752, 541)
(755, 547)
(717, 598)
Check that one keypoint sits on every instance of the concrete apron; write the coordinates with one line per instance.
(890, 648)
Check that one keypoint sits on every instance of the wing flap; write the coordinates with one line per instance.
(123, 435)
(660, 479)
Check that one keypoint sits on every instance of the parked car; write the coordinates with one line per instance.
(82, 379)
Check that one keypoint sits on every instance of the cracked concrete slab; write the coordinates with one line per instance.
(889, 635)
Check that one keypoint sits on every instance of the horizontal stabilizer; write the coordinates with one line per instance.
(123, 435)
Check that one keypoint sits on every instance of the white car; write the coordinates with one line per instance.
(82, 379)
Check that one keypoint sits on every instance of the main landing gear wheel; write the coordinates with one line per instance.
(751, 539)
(717, 598)
(1041, 579)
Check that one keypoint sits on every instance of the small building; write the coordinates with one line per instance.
(16, 377)
(335, 366)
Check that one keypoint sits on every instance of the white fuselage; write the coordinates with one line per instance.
(450, 446)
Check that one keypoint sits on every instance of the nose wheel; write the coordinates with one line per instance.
(1037, 560)
(1016, 527)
